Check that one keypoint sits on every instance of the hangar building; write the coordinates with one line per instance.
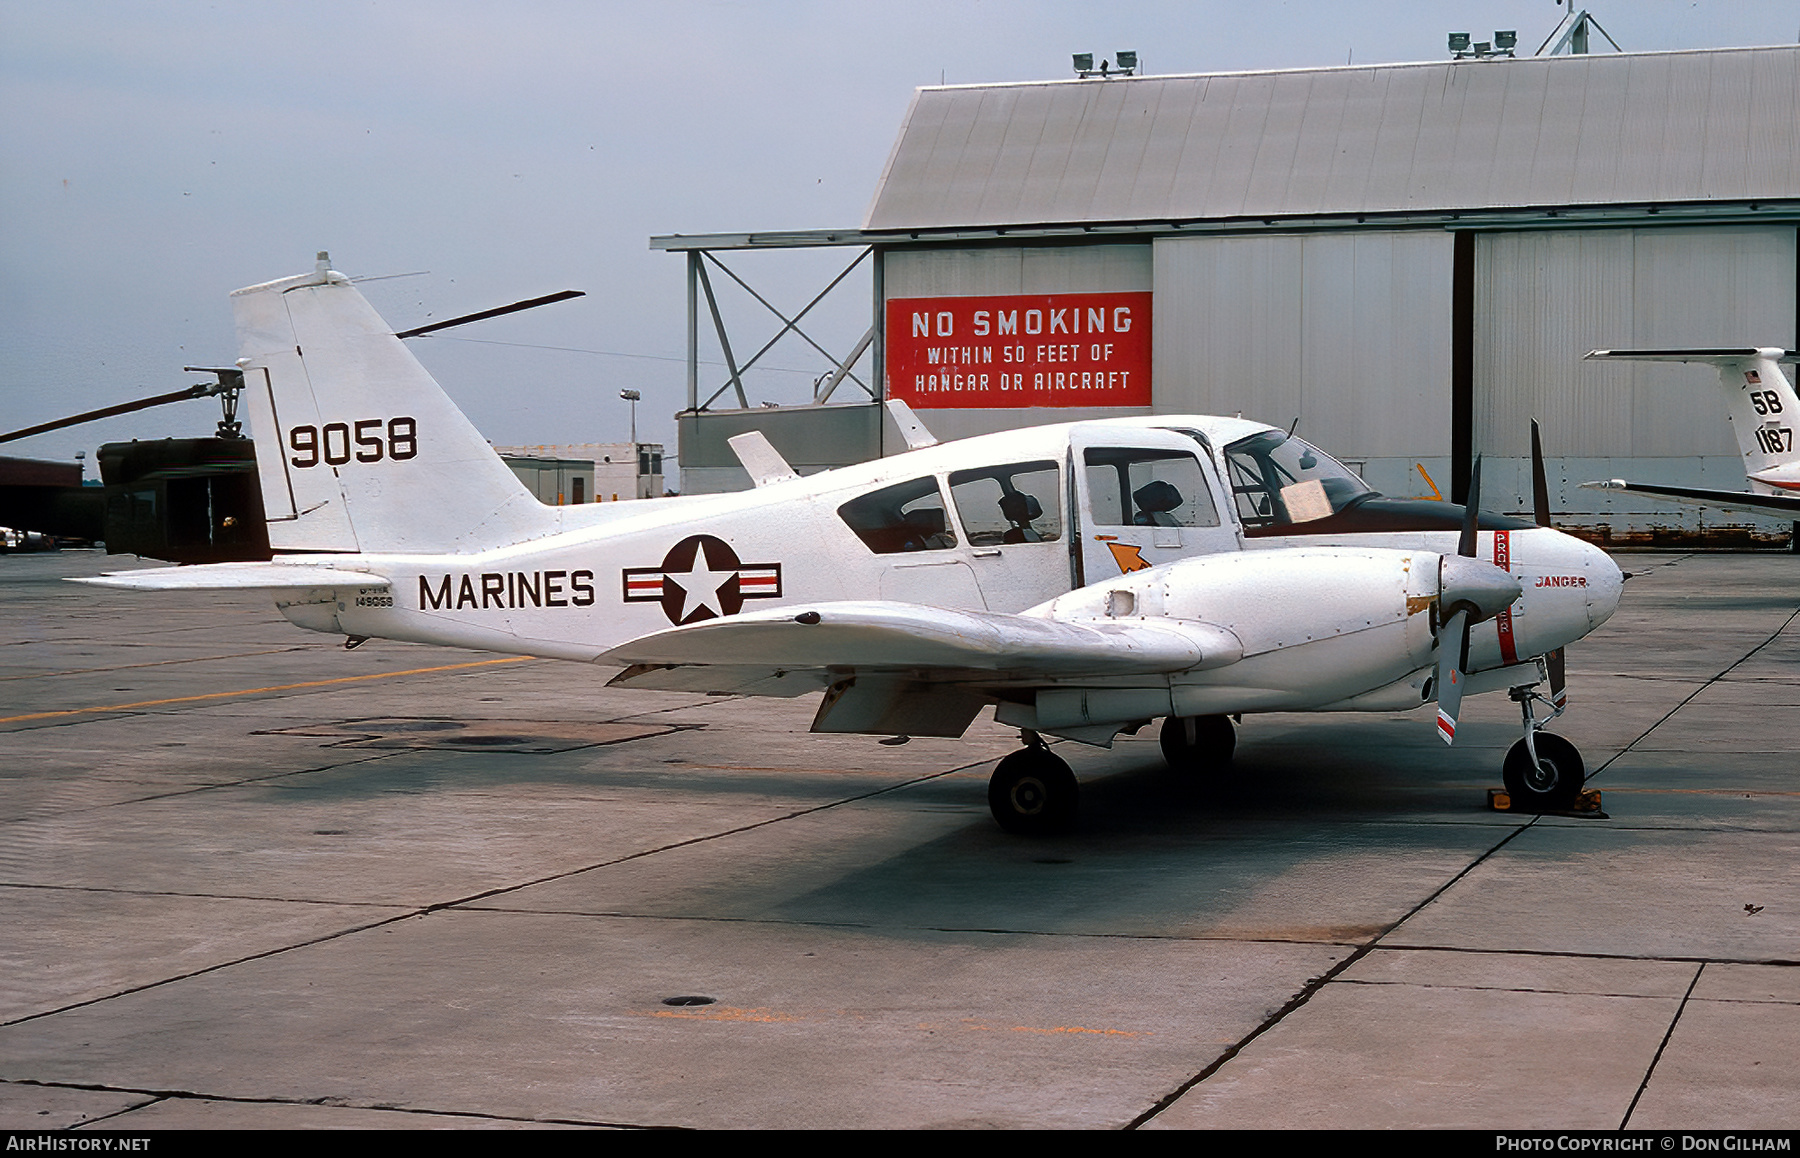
(1408, 261)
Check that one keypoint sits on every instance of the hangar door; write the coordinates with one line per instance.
(1544, 298)
(1347, 332)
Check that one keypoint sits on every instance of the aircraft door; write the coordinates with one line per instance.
(1144, 497)
(1017, 538)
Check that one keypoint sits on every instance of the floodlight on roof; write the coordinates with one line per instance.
(1459, 42)
(1505, 41)
(1127, 62)
(1084, 64)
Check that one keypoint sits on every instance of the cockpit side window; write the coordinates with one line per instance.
(908, 516)
(1020, 502)
(1278, 480)
(1142, 487)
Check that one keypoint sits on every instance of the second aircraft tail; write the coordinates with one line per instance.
(1760, 402)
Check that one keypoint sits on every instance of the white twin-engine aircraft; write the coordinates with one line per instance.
(1083, 578)
(1763, 410)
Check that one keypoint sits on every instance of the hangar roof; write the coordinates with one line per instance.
(1627, 128)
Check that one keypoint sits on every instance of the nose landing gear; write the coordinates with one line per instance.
(1542, 772)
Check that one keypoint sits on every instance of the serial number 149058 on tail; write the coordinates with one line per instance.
(1079, 579)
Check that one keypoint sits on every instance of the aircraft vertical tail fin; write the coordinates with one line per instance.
(1760, 402)
(358, 447)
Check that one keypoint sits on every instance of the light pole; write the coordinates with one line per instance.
(632, 397)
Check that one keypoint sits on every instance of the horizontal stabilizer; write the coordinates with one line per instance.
(1709, 355)
(1780, 506)
(235, 576)
(886, 636)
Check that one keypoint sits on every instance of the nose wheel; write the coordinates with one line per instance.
(1549, 780)
(1033, 792)
(1198, 744)
(1542, 772)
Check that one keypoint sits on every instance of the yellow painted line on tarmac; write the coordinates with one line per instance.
(380, 675)
(969, 1023)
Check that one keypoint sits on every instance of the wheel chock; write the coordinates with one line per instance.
(1587, 805)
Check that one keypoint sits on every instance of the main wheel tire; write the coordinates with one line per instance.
(1032, 792)
(1193, 744)
(1554, 785)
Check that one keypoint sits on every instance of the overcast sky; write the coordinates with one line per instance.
(155, 156)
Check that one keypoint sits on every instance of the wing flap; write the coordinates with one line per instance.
(721, 679)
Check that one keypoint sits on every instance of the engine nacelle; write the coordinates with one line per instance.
(1314, 624)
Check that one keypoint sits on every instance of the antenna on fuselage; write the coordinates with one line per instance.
(911, 429)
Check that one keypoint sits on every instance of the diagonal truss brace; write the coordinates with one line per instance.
(735, 381)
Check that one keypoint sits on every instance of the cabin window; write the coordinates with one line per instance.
(1017, 503)
(1140, 487)
(908, 516)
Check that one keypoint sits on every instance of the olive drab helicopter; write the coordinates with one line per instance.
(1080, 579)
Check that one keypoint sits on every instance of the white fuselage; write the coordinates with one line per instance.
(1308, 644)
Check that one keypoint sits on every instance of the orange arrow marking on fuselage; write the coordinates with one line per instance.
(1129, 557)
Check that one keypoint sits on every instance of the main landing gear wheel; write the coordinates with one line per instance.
(1032, 792)
(1193, 744)
(1554, 785)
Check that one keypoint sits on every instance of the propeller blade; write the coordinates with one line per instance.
(1453, 648)
(1540, 490)
(1540, 507)
(1465, 546)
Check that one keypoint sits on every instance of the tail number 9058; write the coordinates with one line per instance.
(370, 440)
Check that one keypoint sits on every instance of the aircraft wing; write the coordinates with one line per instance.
(907, 669)
(1778, 505)
(235, 576)
(879, 636)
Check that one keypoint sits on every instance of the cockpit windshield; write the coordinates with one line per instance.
(1278, 479)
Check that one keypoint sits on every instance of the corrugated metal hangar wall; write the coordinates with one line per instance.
(1408, 261)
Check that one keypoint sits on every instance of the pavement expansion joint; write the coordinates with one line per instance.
(1663, 1045)
(1315, 984)
(155, 1096)
(40, 675)
(213, 968)
(113, 890)
(272, 779)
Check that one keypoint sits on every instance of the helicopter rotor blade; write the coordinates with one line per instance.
(199, 391)
(531, 303)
